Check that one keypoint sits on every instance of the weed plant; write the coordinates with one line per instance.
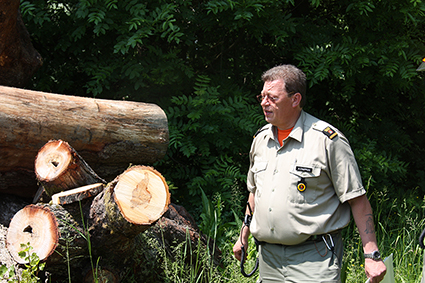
(31, 271)
(398, 220)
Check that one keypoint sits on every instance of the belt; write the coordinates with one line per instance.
(312, 238)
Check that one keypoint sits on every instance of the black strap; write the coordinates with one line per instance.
(247, 222)
(243, 261)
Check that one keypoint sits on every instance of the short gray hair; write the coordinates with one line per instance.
(294, 78)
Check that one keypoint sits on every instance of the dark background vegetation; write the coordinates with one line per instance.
(201, 61)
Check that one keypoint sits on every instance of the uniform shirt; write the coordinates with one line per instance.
(319, 157)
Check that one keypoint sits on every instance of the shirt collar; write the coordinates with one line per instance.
(296, 133)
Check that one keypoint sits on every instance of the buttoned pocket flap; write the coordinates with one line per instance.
(259, 166)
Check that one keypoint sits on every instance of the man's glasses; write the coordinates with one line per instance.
(273, 99)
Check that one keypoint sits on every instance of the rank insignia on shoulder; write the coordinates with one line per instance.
(330, 133)
(260, 130)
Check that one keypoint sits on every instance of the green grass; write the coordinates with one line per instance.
(399, 222)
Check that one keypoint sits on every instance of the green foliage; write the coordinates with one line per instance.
(32, 268)
(398, 223)
(210, 134)
(201, 62)
(192, 264)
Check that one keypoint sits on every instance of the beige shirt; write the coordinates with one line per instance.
(283, 213)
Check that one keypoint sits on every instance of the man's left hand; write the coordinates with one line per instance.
(375, 270)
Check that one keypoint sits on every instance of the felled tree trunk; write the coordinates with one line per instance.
(18, 58)
(129, 205)
(110, 135)
(55, 234)
(59, 168)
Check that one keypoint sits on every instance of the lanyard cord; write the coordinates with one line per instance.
(247, 222)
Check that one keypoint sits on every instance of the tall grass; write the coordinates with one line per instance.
(398, 220)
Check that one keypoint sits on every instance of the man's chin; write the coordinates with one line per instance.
(268, 119)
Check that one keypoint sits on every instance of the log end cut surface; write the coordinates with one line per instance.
(35, 225)
(142, 195)
(52, 160)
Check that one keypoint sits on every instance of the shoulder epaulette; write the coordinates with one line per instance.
(330, 133)
(325, 129)
(260, 130)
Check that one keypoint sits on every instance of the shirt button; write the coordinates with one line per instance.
(272, 229)
(270, 209)
(275, 171)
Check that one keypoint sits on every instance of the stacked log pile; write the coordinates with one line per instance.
(108, 134)
(86, 216)
(78, 218)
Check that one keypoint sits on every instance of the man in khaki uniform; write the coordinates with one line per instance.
(303, 180)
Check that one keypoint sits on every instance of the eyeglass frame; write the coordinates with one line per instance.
(261, 97)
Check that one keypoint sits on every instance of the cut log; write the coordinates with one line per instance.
(131, 203)
(142, 195)
(110, 135)
(59, 168)
(127, 206)
(77, 194)
(56, 235)
(35, 225)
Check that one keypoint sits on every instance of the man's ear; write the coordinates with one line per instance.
(296, 99)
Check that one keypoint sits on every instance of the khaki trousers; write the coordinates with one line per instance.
(310, 261)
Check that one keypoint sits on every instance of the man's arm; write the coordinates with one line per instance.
(237, 248)
(363, 216)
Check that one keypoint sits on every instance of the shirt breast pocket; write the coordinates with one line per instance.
(304, 183)
(259, 172)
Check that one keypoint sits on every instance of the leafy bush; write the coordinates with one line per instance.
(210, 135)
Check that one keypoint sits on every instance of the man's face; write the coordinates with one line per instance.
(278, 108)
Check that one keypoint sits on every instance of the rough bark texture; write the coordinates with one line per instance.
(169, 231)
(18, 58)
(118, 223)
(108, 134)
(112, 223)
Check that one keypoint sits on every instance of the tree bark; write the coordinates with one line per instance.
(129, 205)
(110, 135)
(18, 58)
(57, 235)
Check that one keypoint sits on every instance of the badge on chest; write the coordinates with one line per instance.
(302, 185)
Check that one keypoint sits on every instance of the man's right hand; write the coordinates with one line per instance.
(237, 248)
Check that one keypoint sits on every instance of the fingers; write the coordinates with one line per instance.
(377, 278)
(237, 251)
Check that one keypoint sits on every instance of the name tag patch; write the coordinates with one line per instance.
(304, 169)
